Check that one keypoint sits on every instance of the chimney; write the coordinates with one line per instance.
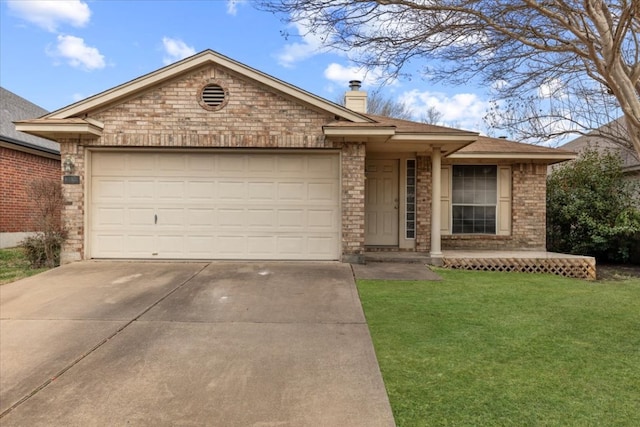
(356, 99)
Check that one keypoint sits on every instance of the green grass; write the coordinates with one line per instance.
(507, 349)
(14, 266)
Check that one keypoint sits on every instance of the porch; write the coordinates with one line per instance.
(581, 267)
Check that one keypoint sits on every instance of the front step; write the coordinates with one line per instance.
(397, 257)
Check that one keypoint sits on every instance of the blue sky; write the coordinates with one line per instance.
(56, 52)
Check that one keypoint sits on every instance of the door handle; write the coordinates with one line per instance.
(155, 219)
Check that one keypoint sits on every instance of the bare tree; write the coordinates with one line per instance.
(380, 105)
(555, 66)
(432, 116)
(47, 203)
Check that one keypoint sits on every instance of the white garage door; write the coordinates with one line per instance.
(214, 206)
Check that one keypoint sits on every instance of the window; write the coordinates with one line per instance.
(474, 199)
(411, 200)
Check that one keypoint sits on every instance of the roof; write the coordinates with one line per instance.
(13, 108)
(496, 148)
(195, 61)
(630, 159)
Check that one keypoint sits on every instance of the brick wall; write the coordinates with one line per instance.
(254, 117)
(353, 175)
(529, 215)
(17, 169)
(423, 206)
(171, 116)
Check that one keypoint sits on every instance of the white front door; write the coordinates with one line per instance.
(381, 202)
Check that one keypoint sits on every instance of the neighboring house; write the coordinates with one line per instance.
(630, 159)
(208, 158)
(23, 157)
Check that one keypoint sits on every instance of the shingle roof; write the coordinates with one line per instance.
(14, 107)
(407, 126)
(485, 145)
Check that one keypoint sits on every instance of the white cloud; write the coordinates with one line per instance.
(50, 14)
(551, 88)
(232, 6)
(311, 44)
(341, 75)
(463, 110)
(175, 50)
(77, 53)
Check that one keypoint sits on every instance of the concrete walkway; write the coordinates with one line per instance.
(190, 344)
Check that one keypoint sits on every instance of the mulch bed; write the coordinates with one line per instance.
(617, 271)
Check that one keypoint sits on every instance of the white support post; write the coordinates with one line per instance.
(436, 173)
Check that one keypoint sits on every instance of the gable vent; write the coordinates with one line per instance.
(213, 95)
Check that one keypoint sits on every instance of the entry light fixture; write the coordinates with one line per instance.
(68, 166)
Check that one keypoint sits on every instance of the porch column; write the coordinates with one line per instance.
(436, 174)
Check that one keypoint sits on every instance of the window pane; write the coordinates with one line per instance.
(474, 199)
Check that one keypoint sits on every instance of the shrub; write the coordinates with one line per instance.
(592, 210)
(43, 249)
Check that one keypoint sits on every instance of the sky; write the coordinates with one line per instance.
(57, 52)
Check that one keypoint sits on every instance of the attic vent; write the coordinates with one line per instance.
(213, 97)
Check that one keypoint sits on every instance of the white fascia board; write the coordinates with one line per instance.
(435, 137)
(44, 128)
(514, 156)
(358, 131)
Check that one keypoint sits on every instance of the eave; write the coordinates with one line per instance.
(544, 157)
(56, 129)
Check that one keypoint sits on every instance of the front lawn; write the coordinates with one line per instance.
(507, 349)
(14, 266)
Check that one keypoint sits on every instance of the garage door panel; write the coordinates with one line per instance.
(290, 245)
(322, 191)
(141, 164)
(232, 245)
(292, 191)
(170, 217)
(201, 218)
(231, 190)
(171, 246)
(231, 218)
(140, 216)
(215, 206)
(109, 190)
(260, 245)
(140, 189)
(200, 191)
(171, 190)
(291, 218)
(262, 218)
(321, 219)
(261, 190)
(110, 217)
(140, 245)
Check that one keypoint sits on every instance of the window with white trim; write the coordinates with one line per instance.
(474, 199)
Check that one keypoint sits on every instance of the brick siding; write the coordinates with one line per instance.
(255, 116)
(17, 170)
(529, 215)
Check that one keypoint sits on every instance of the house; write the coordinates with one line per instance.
(595, 141)
(208, 158)
(23, 157)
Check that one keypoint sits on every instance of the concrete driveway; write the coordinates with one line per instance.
(188, 344)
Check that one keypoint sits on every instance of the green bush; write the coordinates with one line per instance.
(43, 250)
(592, 210)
